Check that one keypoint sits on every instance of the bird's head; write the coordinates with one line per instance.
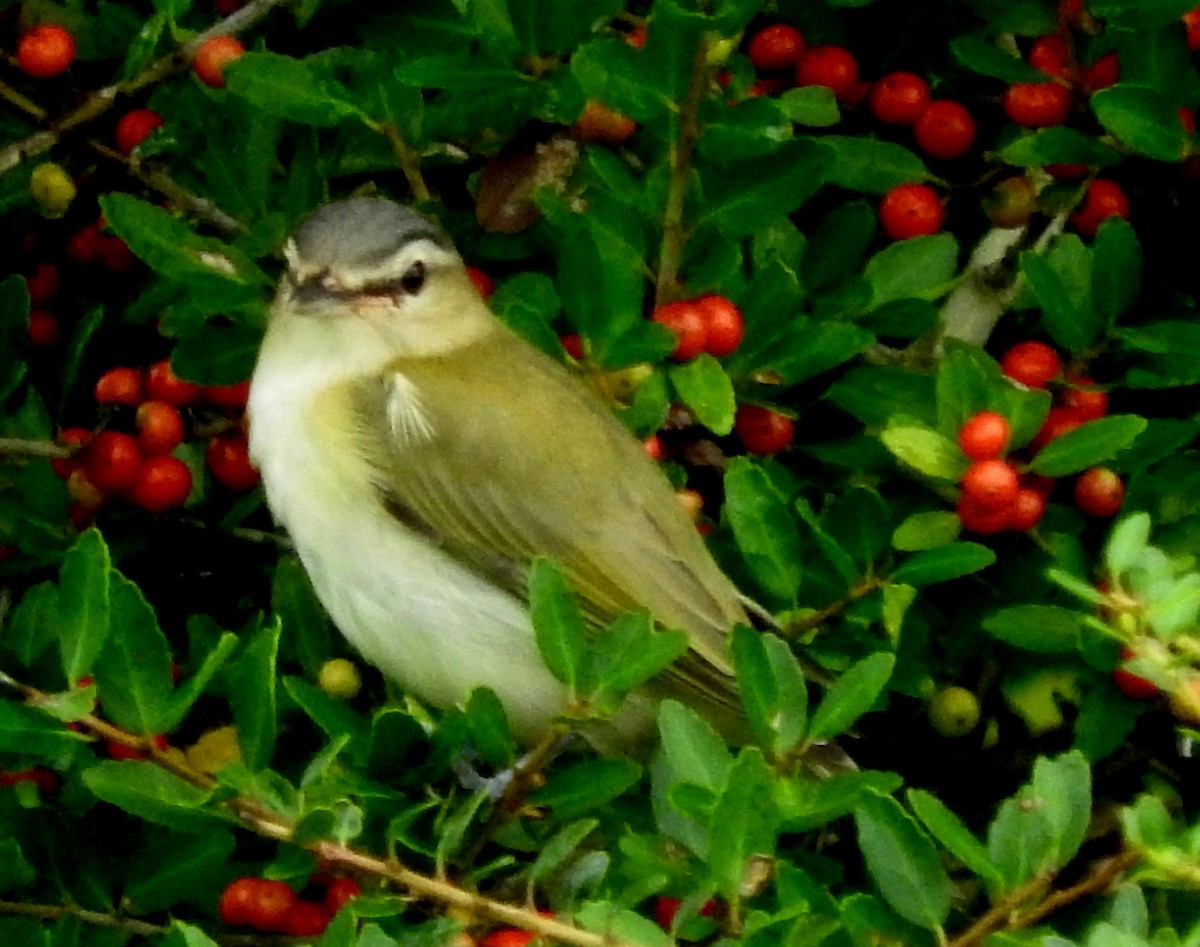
(373, 272)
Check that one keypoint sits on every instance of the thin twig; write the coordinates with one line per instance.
(804, 625)
(409, 162)
(25, 447)
(674, 237)
(1094, 883)
(256, 817)
(102, 100)
(1001, 913)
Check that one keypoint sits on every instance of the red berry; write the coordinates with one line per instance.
(1187, 118)
(762, 430)
(991, 484)
(164, 484)
(603, 124)
(1059, 421)
(340, 891)
(113, 461)
(1040, 484)
(134, 127)
(484, 283)
(766, 86)
(116, 255)
(1130, 684)
(162, 384)
(911, 210)
(122, 385)
(831, 66)
(1033, 364)
(42, 284)
(1037, 104)
(573, 345)
(1101, 74)
(899, 98)
(1069, 13)
(945, 129)
(1191, 20)
(272, 903)
(236, 906)
(1103, 199)
(723, 324)
(1066, 172)
(778, 46)
(637, 36)
(1088, 401)
(213, 56)
(46, 51)
(687, 322)
(159, 427)
(982, 520)
(304, 919)
(228, 397)
(47, 780)
(76, 437)
(83, 246)
(654, 447)
(665, 909)
(1050, 54)
(228, 457)
(226, 7)
(507, 937)
(43, 329)
(1099, 492)
(984, 436)
(1028, 509)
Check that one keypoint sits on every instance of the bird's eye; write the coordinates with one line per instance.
(414, 280)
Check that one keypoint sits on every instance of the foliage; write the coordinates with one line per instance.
(1068, 814)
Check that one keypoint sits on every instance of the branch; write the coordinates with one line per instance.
(100, 101)
(674, 234)
(804, 625)
(409, 161)
(1000, 913)
(24, 447)
(256, 817)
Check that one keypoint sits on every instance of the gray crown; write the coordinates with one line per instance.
(362, 231)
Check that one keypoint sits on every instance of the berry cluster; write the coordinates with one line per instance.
(274, 907)
(996, 494)
(139, 466)
(708, 323)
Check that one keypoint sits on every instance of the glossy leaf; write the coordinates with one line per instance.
(850, 696)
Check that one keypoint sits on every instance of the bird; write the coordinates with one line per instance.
(422, 455)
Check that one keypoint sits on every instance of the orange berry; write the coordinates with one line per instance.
(46, 51)
(159, 427)
(121, 385)
(213, 56)
(134, 127)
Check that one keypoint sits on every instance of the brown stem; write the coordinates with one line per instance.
(256, 817)
(674, 230)
(25, 447)
(804, 625)
(1094, 883)
(409, 161)
(1000, 913)
(100, 101)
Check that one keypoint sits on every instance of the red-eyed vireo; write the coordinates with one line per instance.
(421, 454)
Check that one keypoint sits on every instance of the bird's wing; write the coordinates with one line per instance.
(501, 456)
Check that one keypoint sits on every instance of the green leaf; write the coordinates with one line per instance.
(837, 244)
(149, 792)
(305, 629)
(1127, 542)
(1069, 317)
(1045, 629)
(872, 166)
(606, 918)
(1057, 146)
(919, 266)
(814, 106)
(557, 622)
(133, 671)
(15, 869)
(83, 604)
(587, 786)
(1088, 445)
(175, 868)
(1116, 269)
(903, 861)
(943, 564)
(625, 655)
(705, 388)
(765, 531)
(217, 354)
(289, 87)
(487, 724)
(697, 756)
(744, 824)
(948, 829)
(1166, 351)
(927, 531)
(1063, 787)
(330, 714)
(979, 52)
(850, 696)
(1142, 119)
(252, 697)
(34, 624)
(926, 451)
(189, 691)
(29, 730)
(1140, 13)
(766, 188)
(559, 847)
(772, 687)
